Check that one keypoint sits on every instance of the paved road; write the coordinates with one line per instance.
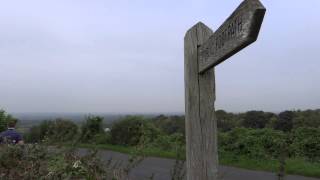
(161, 169)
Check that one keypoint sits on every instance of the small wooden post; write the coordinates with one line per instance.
(201, 126)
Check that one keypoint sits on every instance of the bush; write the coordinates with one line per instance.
(37, 162)
(92, 128)
(169, 142)
(62, 130)
(171, 124)
(53, 131)
(101, 138)
(256, 119)
(308, 118)
(34, 135)
(285, 121)
(4, 119)
(254, 143)
(130, 130)
(306, 143)
(226, 121)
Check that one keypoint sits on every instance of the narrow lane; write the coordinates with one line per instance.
(161, 168)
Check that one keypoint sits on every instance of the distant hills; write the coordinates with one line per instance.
(108, 117)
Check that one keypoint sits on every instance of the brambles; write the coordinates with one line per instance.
(41, 162)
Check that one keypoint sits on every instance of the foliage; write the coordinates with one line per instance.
(33, 135)
(40, 162)
(296, 166)
(71, 165)
(285, 121)
(4, 119)
(59, 130)
(92, 128)
(178, 172)
(252, 135)
(37, 162)
(171, 124)
(307, 118)
(227, 121)
(169, 142)
(62, 130)
(269, 143)
(129, 130)
(306, 143)
(101, 138)
(254, 143)
(256, 119)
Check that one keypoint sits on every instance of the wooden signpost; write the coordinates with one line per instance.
(203, 50)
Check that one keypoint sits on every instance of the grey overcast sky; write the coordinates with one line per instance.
(127, 56)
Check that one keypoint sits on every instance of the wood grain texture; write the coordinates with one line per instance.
(237, 32)
(202, 157)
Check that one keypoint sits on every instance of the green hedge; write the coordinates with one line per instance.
(269, 143)
(306, 143)
(254, 143)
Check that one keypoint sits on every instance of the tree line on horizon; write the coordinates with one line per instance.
(226, 121)
(255, 135)
(299, 130)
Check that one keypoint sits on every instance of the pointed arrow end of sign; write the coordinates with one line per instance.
(256, 3)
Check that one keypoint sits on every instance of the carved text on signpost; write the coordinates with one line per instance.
(237, 32)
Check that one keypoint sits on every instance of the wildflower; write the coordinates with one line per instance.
(76, 164)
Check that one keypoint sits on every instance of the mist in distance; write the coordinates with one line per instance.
(127, 56)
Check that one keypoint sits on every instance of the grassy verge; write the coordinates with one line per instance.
(302, 167)
(293, 166)
(151, 152)
(230, 159)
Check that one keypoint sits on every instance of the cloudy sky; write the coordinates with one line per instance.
(127, 56)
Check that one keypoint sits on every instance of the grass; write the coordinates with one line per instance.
(302, 167)
(230, 159)
(293, 166)
(150, 152)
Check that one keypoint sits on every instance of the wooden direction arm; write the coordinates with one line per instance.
(237, 32)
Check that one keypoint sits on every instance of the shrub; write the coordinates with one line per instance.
(169, 142)
(254, 143)
(285, 121)
(307, 118)
(34, 135)
(306, 143)
(101, 138)
(226, 121)
(62, 130)
(92, 128)
(130, 130)
(4, 119)
(256, 119)
(171, 124)
(59, 130)
(38, 162)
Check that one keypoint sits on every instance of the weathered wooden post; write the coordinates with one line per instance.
(203, 50)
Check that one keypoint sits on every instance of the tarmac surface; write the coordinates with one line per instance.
(161, 168)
